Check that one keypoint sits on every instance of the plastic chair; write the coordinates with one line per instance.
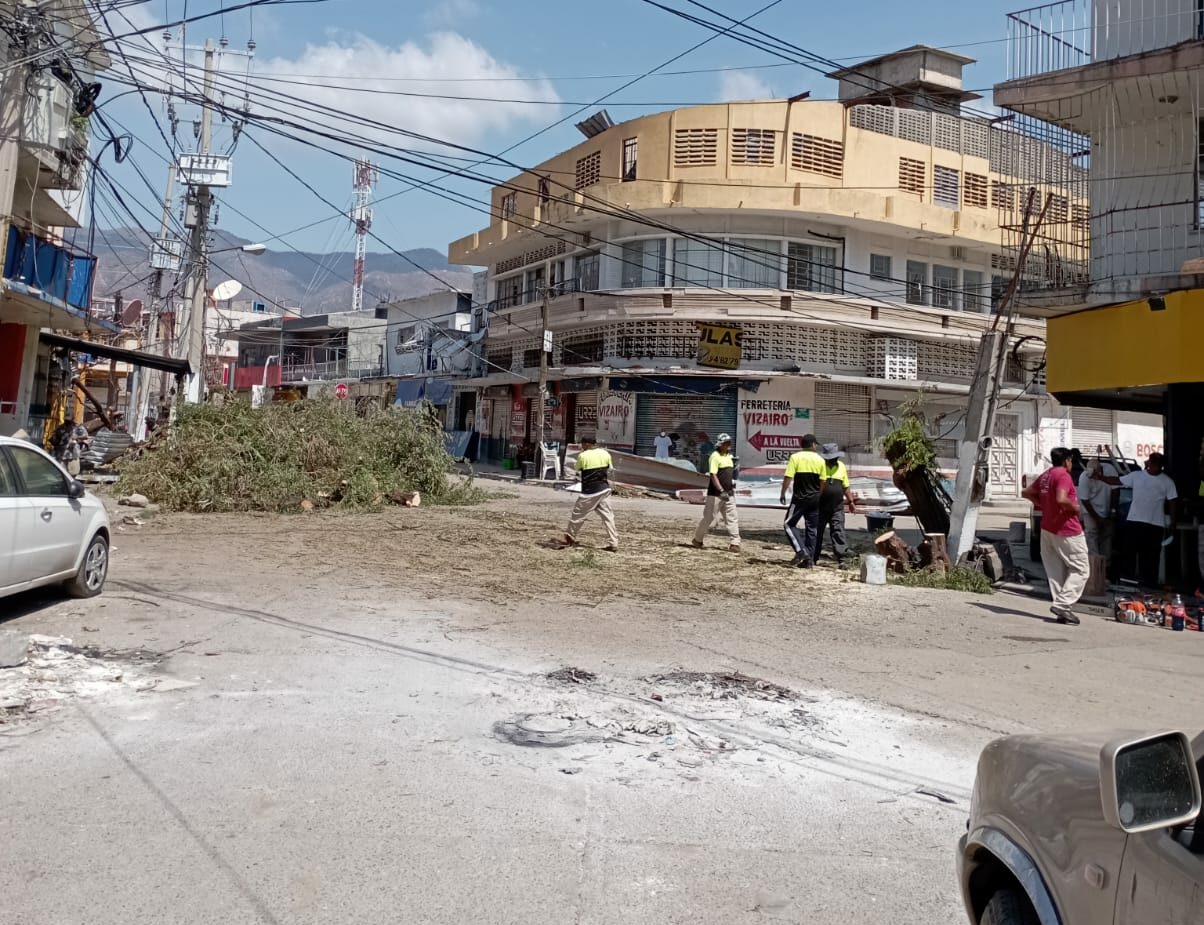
(549, 458)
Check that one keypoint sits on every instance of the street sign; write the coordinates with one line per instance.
(340, 390)
(552, 401)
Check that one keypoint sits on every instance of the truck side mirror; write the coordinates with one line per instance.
(1149, 783)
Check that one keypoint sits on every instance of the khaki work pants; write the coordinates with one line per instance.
(585, 506)
(718, 506)
(1067, 566)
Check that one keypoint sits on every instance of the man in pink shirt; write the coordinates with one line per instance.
(1063, 545)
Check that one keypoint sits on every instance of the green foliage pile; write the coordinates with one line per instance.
(232, 457)
(957, 579)
(908, 447)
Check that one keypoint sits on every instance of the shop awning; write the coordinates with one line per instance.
(411, 391)
(1132, 349)
(133, 357)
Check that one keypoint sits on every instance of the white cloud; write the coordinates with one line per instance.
(741, 85)
(333, 73)
(451, 13)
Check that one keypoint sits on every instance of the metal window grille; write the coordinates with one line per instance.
(631, 150)
(589, 170)
(753, 145)
(817, 155)
(917, 282)
(695, 147)
(913, 175)
(975, 195)
(972, 291)
(946, 186)
(880, 266)
(812, 268)
(944, 286)
(509, 205)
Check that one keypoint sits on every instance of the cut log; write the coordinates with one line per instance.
(897, 553)
(934, 553)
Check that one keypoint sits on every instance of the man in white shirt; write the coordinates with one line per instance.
(1095, 510)
(662, 442)
(1153, 492)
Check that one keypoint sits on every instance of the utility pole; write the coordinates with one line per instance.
(163, 257)
(545, 347)
(196, 292)
(974, 452)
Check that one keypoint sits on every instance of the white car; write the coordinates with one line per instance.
(52, 531)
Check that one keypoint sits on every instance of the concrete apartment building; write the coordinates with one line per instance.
(1122, 82)
(772, 268)
(43, 169)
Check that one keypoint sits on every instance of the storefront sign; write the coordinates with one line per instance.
(616, 419)
(771, 421)
(719, 345)
(1138, 441)
(587, 414)
(518, 419)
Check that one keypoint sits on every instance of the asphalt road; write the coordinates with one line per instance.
(267, 735)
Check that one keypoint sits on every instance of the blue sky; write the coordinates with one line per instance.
(549, 52)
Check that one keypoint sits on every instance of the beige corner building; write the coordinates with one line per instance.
(772, 268)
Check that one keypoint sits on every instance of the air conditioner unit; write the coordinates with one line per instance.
(957, 253)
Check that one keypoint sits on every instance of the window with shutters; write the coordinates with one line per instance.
(944, 286)
(1058, 212)
(631, 151)
(544, 195)
(1002, 196)
(812, 268)
(946, 187)
(912, 175)
(509, 206)
(753, 145)
(695, 147)
(976, 191)
(589, 170)
(917, 282)
(880, 266)
(817, 155)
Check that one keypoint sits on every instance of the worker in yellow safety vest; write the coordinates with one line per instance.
(593, 469)
(806, 473)
(831, 503)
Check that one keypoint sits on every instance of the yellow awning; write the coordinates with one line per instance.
(1128, 345)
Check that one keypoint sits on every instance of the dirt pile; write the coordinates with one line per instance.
(289, 457)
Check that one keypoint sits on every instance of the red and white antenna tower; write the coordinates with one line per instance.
(366, 176)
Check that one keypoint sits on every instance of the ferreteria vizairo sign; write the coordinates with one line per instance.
(719, 345)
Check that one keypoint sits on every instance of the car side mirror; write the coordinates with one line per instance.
(75, 489)
(1149, 783)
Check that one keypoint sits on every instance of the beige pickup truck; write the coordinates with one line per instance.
(1086, 831)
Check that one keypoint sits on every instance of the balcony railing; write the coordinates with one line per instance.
(49, 271)
(1073, 33)
(530, 296)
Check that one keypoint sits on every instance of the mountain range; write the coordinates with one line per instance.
(316, 283)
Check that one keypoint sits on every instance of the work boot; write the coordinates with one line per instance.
(697, 544)
(1064, 615)
(567, 542)
(802, 561)
(610, 548)
(735, 547)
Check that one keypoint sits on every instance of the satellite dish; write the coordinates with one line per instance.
(223, 292)
(132, 313)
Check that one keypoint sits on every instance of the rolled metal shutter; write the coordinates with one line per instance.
(686, 415)
(585, 420)
(1090, 428)
(842, 416)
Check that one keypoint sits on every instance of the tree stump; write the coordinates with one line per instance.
(896, 552)
(934, 553)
